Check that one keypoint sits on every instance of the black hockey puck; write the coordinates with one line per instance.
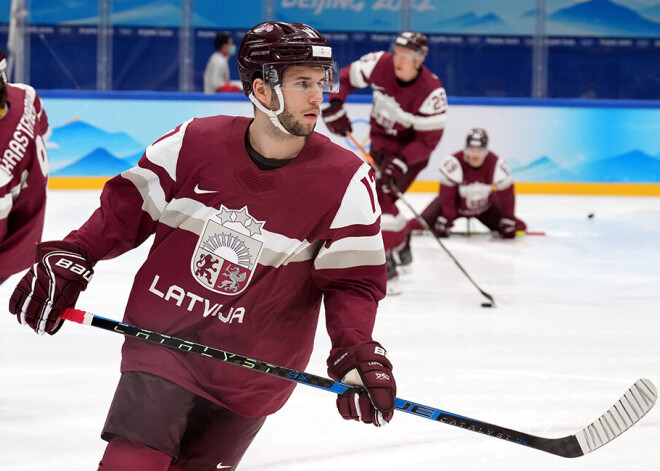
(590, 215)
(486, 304)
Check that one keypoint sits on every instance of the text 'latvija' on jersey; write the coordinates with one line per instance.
(406, 119)
(23, 178)
(467, 191)
(242, 258)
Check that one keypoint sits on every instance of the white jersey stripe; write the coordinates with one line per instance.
(6, 203)
(393, 223)
(351, 252)
(148, 184)
(429, 123)
(359, 204)
(165, 153)
(385, 105)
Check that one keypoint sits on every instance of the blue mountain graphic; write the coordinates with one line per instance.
(542, 169)
(159, 13)
(634, 166)
(652, 13)
(78, 138)
(606, 17)
(471, 20)
(98, 163)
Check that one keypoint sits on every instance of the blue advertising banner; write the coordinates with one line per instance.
(543, 141)
(608, 18)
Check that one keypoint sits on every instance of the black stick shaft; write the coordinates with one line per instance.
(426, 226)
(567, 447)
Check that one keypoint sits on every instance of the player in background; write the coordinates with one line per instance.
(407, 122)
(474, 182)
(257, 222)
(23, 173)
(216, 73)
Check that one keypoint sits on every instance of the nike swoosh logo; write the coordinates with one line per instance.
(221, 467)
(199, 191)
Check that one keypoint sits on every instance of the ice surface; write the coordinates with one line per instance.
(576, 324)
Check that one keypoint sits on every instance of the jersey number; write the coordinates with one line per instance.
(370, 190)
(42, 155)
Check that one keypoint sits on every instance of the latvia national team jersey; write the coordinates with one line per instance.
(466, 191)
(242, 258)
(405, 118)
(23, 178)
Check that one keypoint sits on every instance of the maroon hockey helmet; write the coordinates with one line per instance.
(477, 137)
(270, 47)
(418, 42)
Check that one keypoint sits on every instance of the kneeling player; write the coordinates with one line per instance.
(474, 182)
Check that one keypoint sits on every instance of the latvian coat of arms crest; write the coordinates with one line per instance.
(227, 251)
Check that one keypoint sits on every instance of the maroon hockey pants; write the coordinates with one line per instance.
(156, 425)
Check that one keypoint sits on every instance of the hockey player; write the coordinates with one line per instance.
(256, 223)
(407, 122)
(23, 173)
(467, 180)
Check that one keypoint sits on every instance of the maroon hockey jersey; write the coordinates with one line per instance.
(242, 259)
(406, 119)
(468, 192)
(23, 178)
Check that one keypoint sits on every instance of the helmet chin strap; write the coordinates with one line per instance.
(272, 115)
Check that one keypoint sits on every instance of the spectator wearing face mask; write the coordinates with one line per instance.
(216, 74)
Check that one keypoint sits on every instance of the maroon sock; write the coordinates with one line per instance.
(122, 454)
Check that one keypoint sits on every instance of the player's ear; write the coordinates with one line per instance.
(261, 91)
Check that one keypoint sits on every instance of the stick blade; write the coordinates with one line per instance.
(626, 412)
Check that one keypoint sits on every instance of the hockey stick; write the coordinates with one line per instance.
(474, 233)
(399, 194)
(627, 411)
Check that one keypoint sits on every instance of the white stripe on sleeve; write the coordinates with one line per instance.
(359, 204)
(165, 153)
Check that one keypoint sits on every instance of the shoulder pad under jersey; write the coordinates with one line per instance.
(360, 71)
(451, 172)
(502, 175)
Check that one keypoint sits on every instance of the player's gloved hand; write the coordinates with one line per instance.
(336, 119)
(365, 365)
(442, 226)
(394, 167)
(507, 228)
(53, 284)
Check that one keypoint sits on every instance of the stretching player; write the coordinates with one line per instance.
(256, 223)
(407, 122)
(467, 179)
(23, 173)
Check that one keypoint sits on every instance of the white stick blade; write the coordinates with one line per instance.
(627, 411)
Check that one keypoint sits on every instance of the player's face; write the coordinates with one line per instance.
(475, 156)
(303, 95)
(406, 63)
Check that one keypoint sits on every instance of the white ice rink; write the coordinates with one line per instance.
(577, 322)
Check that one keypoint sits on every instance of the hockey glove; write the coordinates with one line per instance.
(442, 226)
(336, 119)
(364, 365)
(507, 228)
(394, 167)
(52, 284)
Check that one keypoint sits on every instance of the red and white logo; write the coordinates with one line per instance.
(227, 251)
